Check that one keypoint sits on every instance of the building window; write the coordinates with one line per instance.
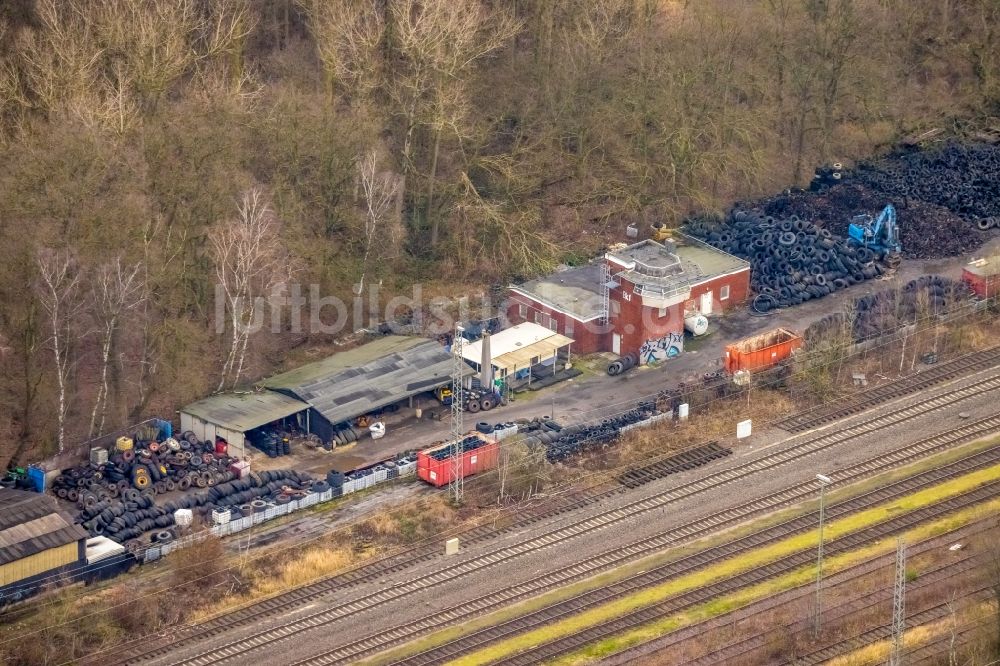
(569, 328)
(522, 311)
(538, 317)
(724, 292)
(553, 324)
(616, 308)
(663, 313)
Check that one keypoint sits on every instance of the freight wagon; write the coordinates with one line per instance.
(436, 465)
(761, 351)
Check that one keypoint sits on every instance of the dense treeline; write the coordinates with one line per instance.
(153, 149)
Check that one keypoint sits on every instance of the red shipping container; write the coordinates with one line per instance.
(761, 351)
(438, 472)
(983, 277)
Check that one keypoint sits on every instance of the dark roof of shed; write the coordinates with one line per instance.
(241, 412)
(371, 376)
(30, 523)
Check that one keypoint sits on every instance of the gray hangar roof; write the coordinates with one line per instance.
(241, 412)
(30, 523)
(373, 375)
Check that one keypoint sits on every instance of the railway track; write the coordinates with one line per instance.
(859, 402)
(740, 651)
(321, 618)
(473, 641)
(930, 614)
(931, 653)
(680, 462)
(571, 643)
(387, 639)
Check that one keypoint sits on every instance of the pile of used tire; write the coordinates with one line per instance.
(624, 364)
(965, 179)
(155, 466)
(889, 310)
(926, 230)
(271, 444)
(563, 442)
(136, 513)
(792, 260)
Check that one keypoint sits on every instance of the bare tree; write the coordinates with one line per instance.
(379, 192)
(439, 41)
(58, 293)
(248, 263)
(348, 34)
(118, 290)
(59, 59)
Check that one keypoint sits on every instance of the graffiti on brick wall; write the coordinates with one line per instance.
(669, 346)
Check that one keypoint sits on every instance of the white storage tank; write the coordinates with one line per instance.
(696, 323)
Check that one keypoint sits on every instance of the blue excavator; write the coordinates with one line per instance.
(878, 234)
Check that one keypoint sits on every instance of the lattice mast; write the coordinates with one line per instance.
(457, 485)
(898, 605)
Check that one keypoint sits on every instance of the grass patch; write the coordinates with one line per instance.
(679, 552)
(731, 567)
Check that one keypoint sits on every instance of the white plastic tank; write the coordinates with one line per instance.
(696, 323)
(183, 517)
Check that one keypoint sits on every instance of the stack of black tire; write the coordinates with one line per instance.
(887, 311)
(135, 513)
(157, 467)
(126, 518)
(624, 364)
(791, 260)
(271, 445)
(563, 442)
(346, 436)
(963, 178)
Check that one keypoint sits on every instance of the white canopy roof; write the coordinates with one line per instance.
(513, 348)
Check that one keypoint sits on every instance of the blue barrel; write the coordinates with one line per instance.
(166, 428)
(36, 475)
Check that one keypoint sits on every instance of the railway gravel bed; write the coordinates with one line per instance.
(458, 570)
(926, 615)
(748, 462)
(655, 576)
(741, 650)
(571, 643)
(859, 402)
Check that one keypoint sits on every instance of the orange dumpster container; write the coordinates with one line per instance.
(761, 351)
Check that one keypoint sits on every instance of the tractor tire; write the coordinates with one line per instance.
(472, 406)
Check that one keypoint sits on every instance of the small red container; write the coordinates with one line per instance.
(439, 472)
(761, 351)
(221, 447)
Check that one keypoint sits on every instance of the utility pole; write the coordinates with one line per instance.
(818, 610)
(898, 605)
(457, 486)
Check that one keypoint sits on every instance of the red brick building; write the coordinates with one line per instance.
(635, 298)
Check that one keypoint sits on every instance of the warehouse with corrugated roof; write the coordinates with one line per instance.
(383, 373)
(37, 543)
(325, 397)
